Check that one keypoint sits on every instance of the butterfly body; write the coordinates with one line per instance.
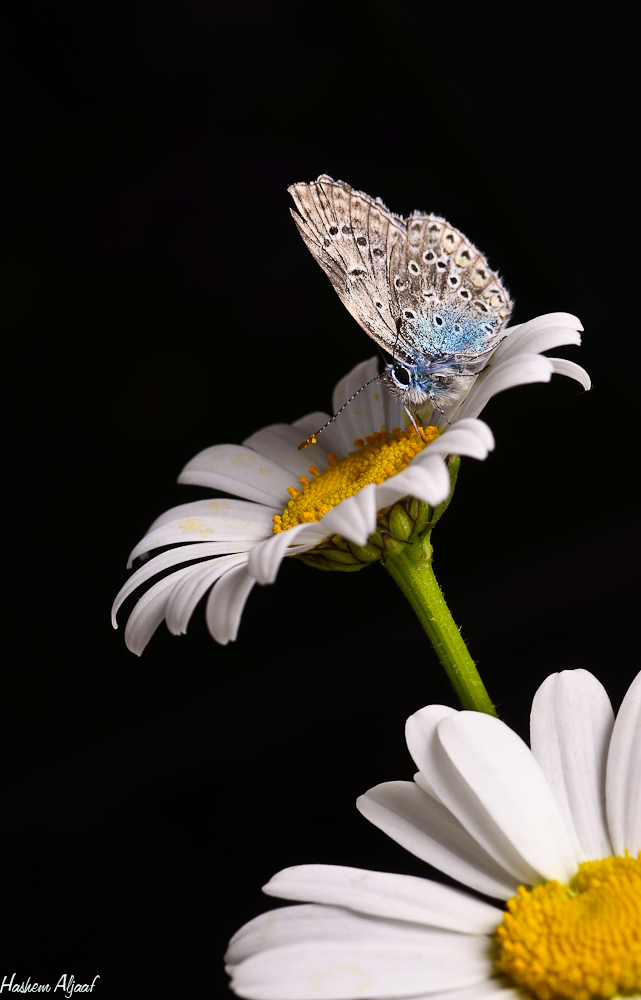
(417, 286)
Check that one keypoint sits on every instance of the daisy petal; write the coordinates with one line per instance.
(517, 370)
(366, 413)
(150, 611)
(563, 367)
(187, 593)
(347, 956)
(312, 922)
(382, 894)
(280, 444)
(208, 520)
(238, 470)
(570, 729)
(541, 334)
(428, 480)
(226, 603)
(420, 736)
(491, 989)
(354, 519)
(186, 553)
(623, 775)
(466, 437)
(495, 788)
(266, 557)
(333, 439)
(429, 831)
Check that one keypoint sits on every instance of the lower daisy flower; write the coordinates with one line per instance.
(322, 504)
(555, 831)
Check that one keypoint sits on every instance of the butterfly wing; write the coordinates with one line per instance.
(353, 237)
(450, 302)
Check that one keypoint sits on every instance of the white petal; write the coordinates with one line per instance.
(266, 556)
(226, 603)
(420, 736)
(623, 776)
(354, 518)
(495, 788)
(332, 438)
(428, 480)
(312, 922)
(383, 894)
(280, 444)
(208, 520)
(563, 367)
(395, 415)
(429, 831)
(517, 370)
(491, 989)
(541, 334)
(187, 593)
(241, 471)
(185, 553)
(150, 611)
(366, 413)
(343, 955)
(466, 437)
(570, 729)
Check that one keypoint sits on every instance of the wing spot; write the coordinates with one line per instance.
(377, 252)
(333, 230)
(409, 314)
(453, 280)
(379, 305)
(439, 320)
(357, 273)
(428, 256)
(361, 241)
(442, 265)
(414, 268)
(347, 230)
(399, 284)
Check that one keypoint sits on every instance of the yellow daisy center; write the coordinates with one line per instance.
(576, 942)
(380, 456)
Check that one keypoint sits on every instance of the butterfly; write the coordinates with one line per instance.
(417, 286)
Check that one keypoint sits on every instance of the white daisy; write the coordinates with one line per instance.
(232, 544)
(555, 830)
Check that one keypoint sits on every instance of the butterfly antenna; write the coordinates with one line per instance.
(312, 437)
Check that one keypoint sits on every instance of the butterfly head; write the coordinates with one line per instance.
(430, 383)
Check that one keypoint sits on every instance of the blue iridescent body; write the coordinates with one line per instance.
(417, 286)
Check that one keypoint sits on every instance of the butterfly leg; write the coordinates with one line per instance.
(416, 428)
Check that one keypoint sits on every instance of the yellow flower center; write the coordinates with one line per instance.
(377, 458)
(576, 942)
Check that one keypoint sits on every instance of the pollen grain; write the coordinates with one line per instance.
(377, 458)
(576, 942)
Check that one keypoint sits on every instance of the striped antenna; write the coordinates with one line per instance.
(312, 437)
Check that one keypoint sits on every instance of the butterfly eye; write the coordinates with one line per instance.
(401, 375)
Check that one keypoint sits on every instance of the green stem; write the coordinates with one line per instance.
(412, 570)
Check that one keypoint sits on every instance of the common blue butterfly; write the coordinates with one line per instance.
(417, 286)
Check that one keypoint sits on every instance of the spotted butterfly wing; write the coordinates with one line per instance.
(449, 300)
(417, 286)
(352, 237)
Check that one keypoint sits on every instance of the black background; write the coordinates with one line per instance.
(161, 301)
